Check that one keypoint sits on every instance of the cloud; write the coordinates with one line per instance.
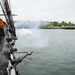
(44, 9)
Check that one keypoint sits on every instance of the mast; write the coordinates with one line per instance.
(8, 16)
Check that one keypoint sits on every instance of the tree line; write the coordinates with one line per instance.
(63, 23)
(57, 24)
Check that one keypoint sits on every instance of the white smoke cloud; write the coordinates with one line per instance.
(36, 40)
(23, 32)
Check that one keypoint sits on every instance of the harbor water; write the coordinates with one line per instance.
(53, 51)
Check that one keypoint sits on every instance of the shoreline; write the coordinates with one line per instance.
(66, 27)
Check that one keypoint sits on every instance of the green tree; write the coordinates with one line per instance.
(55, 23)
(63, 23)
(70, 24)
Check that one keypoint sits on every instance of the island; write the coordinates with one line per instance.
(57, 25)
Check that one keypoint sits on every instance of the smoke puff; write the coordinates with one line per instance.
(24, 32)
(37, 40)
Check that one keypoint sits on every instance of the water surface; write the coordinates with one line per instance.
(54, 52)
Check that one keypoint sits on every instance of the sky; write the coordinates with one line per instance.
(44, 10)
